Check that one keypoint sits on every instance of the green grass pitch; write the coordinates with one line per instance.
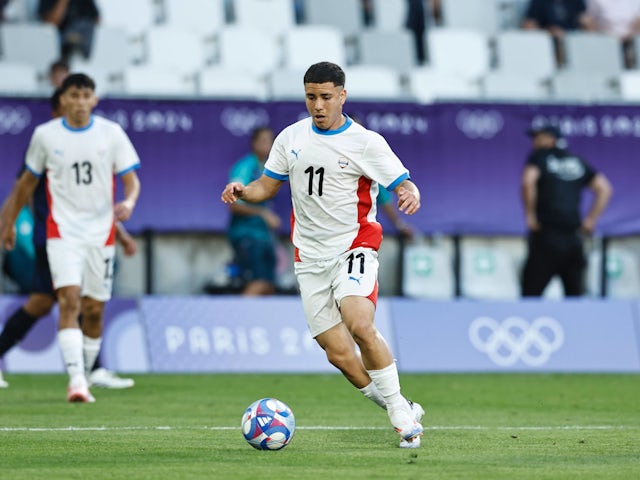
(481, 426)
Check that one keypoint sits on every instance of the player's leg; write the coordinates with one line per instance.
(539, 267)
(573, 267)
(66, 262)
(38, 304)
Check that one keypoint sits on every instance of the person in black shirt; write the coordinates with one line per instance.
(76, 21)
(556, 17)
(552, 183)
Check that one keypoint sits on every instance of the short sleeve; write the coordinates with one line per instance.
(36, 154)
(277, 165)
(125, 155)
(379, 163)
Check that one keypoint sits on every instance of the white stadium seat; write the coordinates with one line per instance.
(203, 17)
(175, 49)
(248, 49)
(153, 81)
(18, 78)
(273, 16)
(365, 82)
(220, 82)
(306, 45)
(461, 52)
(36, 44)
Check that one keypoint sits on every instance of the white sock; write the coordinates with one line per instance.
(373, 394)
(387, 382)
(90, 349)
(70, 341)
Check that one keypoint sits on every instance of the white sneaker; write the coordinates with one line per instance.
(3, 383)
(79, 394)
(418, 414)
(409, 430)
(103, 378)
(418, 411)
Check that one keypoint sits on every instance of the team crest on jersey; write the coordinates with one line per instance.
(343, 162)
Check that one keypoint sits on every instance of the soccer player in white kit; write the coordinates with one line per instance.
(335, 167)
(81, 155)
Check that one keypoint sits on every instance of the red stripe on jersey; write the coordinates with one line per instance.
(374, 295)
(111, 239)
(296, 250)
(370, 233)
(52, 226)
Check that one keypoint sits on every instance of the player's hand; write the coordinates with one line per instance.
(532, 223)
(8, 237)
(129, 245)
(232, 192)
(271, 219)
(123, 210)
(588, 225)
(408, 201)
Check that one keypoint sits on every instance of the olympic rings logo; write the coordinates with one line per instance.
(14, 120)
(515, 339)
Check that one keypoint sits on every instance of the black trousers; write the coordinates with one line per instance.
(554, 252)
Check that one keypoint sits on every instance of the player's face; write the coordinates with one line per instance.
(77, 104)
(324, 103)
(262, 144)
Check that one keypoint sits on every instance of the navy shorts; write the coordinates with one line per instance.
(256, 259)
(41, 274)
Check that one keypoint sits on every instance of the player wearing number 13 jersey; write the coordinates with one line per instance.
(334, 167)
(81, 154)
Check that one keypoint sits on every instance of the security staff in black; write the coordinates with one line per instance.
(552, 183)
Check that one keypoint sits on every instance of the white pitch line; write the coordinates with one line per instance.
(322, 427)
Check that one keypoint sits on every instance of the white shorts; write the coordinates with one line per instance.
(87, 266)
(324, 284)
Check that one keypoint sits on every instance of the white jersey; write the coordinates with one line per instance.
(81, 165)
(334, 177)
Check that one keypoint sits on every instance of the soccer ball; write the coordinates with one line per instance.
(268, 424)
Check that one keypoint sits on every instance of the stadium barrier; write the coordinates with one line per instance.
(198, 334)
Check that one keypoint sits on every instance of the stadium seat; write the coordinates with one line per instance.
(571, 86)
(481, 16)
(20, 11)
(460, 52)
(286, 84)
(488, 273)
(18, 78)
(346, 15)
(428, 272)
(308, 44)
(111, 51)
(219, 82)
(427, 85)
(525, 52)
(203, 17)
(153, 81)
(273, 16)
(248, 49)
(389, 16)
(593, 53)
(512, 86)
(135, 17)
(373, 83)
(36, 44)
(174, 49)
(629, 84)
(622, 273)
(392, 49)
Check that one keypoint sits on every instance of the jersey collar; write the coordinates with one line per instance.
(81, 129)
(346, 125)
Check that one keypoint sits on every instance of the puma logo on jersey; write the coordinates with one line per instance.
(295, 153)
(355, 279)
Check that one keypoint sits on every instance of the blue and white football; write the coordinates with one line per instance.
(268, 424)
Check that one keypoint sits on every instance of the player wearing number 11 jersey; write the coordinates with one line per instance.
(335, 167)
(81, 155)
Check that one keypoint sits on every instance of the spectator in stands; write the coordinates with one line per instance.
(75, 19)
(556, 17)
(3, 4)
(417, 23)
(252, 228)
(552, 184)
(619, 18)
(58, 71)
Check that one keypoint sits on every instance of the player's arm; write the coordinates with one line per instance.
(124, 208)
(128, 243)
(20, 194)
(408, 197)
(264, 188)
(530, 176)
(602, 190)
